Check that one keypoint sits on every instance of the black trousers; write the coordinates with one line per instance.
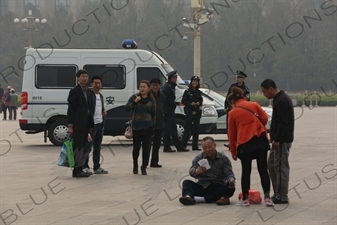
(141, 138)
(246, 163)
(192, 122)
(4, 110)
(80, 137)
(156, 142)
(171, 130)
(211, 194)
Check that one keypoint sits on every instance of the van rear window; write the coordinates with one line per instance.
(55, 76)
(113, 76)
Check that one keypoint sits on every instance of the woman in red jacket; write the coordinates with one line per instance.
(248, 140)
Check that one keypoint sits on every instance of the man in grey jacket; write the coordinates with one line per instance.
(13, 104)
(216, 180)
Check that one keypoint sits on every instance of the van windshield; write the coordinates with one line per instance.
(216, 95)
(180, 82)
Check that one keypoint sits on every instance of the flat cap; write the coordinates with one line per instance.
(155, 80)
(241, 74)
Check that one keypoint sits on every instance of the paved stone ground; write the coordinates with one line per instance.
(34, 191)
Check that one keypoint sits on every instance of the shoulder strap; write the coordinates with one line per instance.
(133, 115)
(255, 114)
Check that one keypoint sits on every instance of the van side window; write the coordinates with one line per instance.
(146, 73)
(113, 76)
(55, 76)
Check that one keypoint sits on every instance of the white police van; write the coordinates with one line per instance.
(49, 74)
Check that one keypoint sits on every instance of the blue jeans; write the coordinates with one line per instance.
(97, 137)
(211, 194)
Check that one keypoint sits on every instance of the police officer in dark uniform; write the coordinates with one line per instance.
(240, 78)
(170, 125)
(192, 99)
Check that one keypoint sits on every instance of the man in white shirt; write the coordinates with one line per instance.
(98, 113)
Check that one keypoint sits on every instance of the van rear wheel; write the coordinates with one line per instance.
(58, 132)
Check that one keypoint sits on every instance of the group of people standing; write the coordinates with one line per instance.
(153, 118)
(248, 140)
(9, 101)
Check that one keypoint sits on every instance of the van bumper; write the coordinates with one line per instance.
(31, 128)
(207, 128)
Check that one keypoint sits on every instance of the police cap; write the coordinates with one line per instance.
(172, 74)
(241, 74)
(195, 78)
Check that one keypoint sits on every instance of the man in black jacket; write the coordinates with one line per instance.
(170, 105)
(281, 137)
(98, 114)
(160, 121)
(80, 121)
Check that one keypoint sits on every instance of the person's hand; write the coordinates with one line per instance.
(200, 170)
(231, 183)
(104, 114)
(138, 98)
(225, 111)
(275, 145)
(193, 103)
(235, 157)
(70, 130)
(197, 103)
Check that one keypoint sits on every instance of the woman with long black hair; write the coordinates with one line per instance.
(143, 111)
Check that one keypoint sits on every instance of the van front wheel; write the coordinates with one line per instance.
(58, 132)
(181, 128)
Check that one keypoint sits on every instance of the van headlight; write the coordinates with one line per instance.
(209, 111)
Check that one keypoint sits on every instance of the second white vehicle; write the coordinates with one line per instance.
(219, 101)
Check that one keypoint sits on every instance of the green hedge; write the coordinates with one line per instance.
(323, 99)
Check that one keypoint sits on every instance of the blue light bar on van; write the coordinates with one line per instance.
(129, 44)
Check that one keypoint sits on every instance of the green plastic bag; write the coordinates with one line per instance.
(70, 153)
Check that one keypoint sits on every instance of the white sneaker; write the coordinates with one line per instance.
(268, 202)
(87, 170)
(100, 171)
(245, 202)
